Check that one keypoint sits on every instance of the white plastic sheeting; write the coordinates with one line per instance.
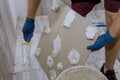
(44, 8)
(21, 6)
(90, 32)
(7, 39)
(6, 55)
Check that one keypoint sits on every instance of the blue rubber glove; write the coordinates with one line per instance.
(101, 42)
(28, 29)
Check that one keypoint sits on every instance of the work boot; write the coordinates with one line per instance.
(110, 74)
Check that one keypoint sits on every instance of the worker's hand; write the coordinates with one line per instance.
(101, 42)
(28, 29)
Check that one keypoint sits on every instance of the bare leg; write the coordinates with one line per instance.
(32, 8)
(115, 26)
(112, 20)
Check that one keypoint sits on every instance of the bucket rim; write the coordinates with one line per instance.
(78, 67)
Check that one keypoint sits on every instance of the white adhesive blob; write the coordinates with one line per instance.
(46, 24)
(73, 56)
(37, 52)
(50, 61)
(59, 66)
(90, 32)
(57, 43)
(55, 6)
(69, 18)
(52, 75)
(47, 28)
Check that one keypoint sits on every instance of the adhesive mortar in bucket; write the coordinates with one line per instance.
(81, 73)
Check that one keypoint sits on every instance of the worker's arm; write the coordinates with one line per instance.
(29, 24)
(32, 8)
(112, 33)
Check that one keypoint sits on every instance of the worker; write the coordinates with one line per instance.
(110, 39)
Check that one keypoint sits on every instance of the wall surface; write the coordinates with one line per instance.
(10, 4)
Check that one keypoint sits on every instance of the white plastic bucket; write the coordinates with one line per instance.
(81, 73)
